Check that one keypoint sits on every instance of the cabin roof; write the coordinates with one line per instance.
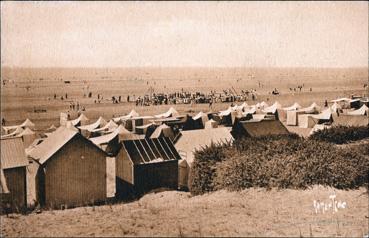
(150, 150)
(52, 144)
(12, 153)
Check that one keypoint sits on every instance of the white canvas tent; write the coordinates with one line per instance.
(249, 110)
(335, 107)
(90, 127)
(200, 115)
(28, 137)
(341, 100)
(261, 105)
(203, 117)
(79, 121)
(26, 132)
(25, 124)
(120, 131)
(130, 115)
(313, 108)
(363, 110)
(170, 113)
(226, 112)
(109, 127)
(272, 109)
(239, 107)
(163, 131)
(295, 106)
(17, 131)
(324, 115)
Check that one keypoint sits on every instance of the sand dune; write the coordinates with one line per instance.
(251, 212)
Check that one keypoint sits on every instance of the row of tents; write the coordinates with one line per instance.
(68, 165)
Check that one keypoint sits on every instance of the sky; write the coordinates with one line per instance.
(184, 34)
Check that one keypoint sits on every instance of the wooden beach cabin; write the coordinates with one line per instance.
(146, 164)
(13, 165)
(71, 172)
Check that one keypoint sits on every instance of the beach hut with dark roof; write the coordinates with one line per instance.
(71, 172)
(259, 127)
(146, 164)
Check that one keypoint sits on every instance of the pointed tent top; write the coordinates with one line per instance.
(273, 108)
(341, 100)
(122, 130)
(166, 130)
(250, 110)
(111, 125)
(133, 113)
(239, 107)
(226, 112)
(99, 123)
(335, 107)
(314, 105)
(18, 130)
(108, 137)
(199, 115)
(82, 117)
(363, 110)
(263, 104)
(26, 131)
(324, 115)
(130, 115)
(295, 106)
(173, 112)
(27, 123)
(170, 113)
(310, 109)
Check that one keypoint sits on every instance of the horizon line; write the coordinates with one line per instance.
(179, 67)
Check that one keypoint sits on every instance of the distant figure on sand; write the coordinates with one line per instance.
(326, 103)
(3, 122)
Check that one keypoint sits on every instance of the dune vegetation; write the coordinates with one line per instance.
(282, 162)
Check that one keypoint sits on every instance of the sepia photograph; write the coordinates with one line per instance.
(184, 119)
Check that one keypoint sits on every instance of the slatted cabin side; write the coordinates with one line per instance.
(124, 173)
(16, 183)
(156, 175)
